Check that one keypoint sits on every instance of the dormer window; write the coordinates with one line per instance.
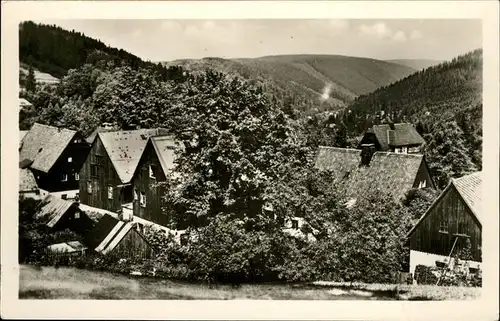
(64, 177)
(422, 184)
(70, 159)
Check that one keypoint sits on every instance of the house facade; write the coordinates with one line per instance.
(454, 217)
(360, 171)
(154, 166)
(397, 138)
(54, 156)
(105, 177)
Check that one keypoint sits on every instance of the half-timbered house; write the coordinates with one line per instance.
(398, 138)
(105, 177)
(453, 218)
(54, 155)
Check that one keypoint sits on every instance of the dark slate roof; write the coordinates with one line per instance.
(391, 173)
(165, 147)
(27, 182)
(469, 187)
(52, 209)
(107, 234)
(44, 145)
(403, 134)
(125, 149)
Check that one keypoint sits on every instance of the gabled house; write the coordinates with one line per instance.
(54, 155)
(112, 236)
(359, 172)
(454, 217)
(154, 166)
(398, 138)
(105, 177)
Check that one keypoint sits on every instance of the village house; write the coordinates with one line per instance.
(105, 177)
(55, 157)
(155, 165)
(453, 218)
(59, 214)
(24, 104)
(117, 237)
(397, 138)
(27, 184)
(361, 171)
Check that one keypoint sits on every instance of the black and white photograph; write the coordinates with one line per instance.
(326, 159)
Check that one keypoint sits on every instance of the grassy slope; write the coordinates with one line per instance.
(70, 283)
(348, 77)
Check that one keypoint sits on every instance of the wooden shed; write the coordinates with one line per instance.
(119, 238)
(59, 214)
(454, 217)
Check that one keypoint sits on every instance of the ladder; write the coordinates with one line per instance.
(449, 260)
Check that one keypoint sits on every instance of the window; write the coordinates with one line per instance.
(143, 199)
(95, 162)
(110, 192)
(64, 196)
(443, 226)
(397, 150)
(77, 177)
(404, 149)
(89, 187)
(184, 239)
(77, 215)
(70, 159)
(422, 184)
(295, 224)
(136, 195)
(152, 171)
(94, 170)
(64, 177)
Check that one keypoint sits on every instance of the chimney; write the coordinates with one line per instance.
(367, 151)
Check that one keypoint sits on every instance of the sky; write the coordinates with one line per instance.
(166, 40)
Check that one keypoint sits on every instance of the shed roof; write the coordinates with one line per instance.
(403, 134)
(52, 209)
(470, 188)
(24, 102)
(108, 233)
(391, 173)
(27, 182)
(67, 247)
(125, 149)
(44, 145)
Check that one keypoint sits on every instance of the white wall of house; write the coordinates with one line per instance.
(429, 259)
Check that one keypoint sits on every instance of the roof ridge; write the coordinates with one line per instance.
(409, 155)
(339, 148)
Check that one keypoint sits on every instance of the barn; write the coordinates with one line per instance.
(116, 237)
(453, 218)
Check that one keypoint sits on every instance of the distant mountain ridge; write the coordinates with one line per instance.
(417, 64)
(334, 80)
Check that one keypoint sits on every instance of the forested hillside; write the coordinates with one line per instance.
(327, 82)
(417, 64)
(444, 102)
(53, 50)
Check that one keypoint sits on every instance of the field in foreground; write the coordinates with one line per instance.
(71, 283)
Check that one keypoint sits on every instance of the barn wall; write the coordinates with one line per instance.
(107, 176)
(143, 183)
(133, 245)
(452, 209)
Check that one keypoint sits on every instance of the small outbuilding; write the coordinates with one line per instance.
(59, 214)
(113, 236)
